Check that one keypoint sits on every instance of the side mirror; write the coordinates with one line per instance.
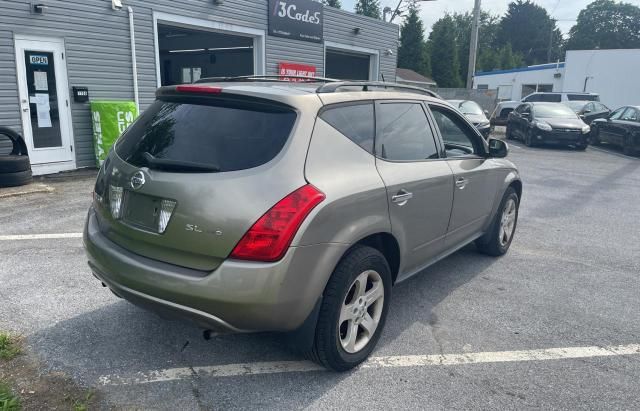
(498, 148)
(582, 117)
(486, 112)
(525, 115)
(586, 111)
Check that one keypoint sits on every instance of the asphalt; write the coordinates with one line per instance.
(570, 279)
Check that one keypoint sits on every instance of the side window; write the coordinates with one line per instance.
(550, 98)
(521, 108)
(630, 115)
(601, 107)
(459, 139)
(590, 108)
(354, 121)
(404, 132)
(618, 113)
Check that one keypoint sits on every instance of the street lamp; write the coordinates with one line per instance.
(397, 10)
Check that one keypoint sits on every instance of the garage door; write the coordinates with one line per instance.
(347, 66)
(188, 54)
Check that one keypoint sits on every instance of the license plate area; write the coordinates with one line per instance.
(141, 211)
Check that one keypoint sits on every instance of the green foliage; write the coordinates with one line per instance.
(332, 3)
(8, 401)
(411, 51)
(9, 348)
(530, 30)
(369, 8)
(445, 67)
(606, 24)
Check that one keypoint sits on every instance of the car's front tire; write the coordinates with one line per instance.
(528, 139)
(353, 311)
(497, 240)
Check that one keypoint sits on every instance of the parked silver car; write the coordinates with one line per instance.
(294, 207)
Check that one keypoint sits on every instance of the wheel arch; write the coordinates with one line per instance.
(387, 244)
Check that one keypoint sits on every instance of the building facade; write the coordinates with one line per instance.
(54, 54)
(516, 83)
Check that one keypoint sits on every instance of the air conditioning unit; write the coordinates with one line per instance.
(557, 75)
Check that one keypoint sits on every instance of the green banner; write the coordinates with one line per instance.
(110, 119)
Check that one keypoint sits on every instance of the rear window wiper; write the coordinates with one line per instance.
(178, 165)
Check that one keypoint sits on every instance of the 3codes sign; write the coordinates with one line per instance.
(296, 19)
(39, 60)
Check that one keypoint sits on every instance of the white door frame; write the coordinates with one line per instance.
(65, 158)
(259, 49)
(374, 57)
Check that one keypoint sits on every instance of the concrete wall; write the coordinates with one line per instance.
(614, 74)
(509, 82)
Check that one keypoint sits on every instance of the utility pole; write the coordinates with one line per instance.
(473, 46)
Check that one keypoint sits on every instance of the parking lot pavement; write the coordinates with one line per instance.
(569, 280)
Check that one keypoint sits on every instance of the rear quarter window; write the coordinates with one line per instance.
(227, 136)
(355, 121)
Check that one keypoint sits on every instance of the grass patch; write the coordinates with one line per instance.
(9, 348)
(8, 401)
(80, 405)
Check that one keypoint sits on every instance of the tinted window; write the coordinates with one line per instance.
(404, 132)
(549, 98)
(520, 109)
(458, 137)
(546, 88)
(600, 107)
(226, 136)
(618, 113)
(586, 97)
(630, 115)
(577, 106)
(354, 121)
(553, 111)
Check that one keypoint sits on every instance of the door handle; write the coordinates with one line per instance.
(402, 197)
(461, 183)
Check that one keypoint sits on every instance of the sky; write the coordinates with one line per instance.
(565, 11)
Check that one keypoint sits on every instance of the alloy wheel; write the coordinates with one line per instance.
(507, 222)
(361, 311)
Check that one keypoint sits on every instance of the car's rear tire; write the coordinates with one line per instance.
(528, 139)
(356, 299)
(508, 133)
(498, 238)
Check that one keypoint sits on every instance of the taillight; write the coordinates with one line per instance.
(270, 236)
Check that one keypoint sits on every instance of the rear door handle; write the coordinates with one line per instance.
(461, 183)
(402, 197)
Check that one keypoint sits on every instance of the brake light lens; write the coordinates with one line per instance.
(268, 239)
(198, 89)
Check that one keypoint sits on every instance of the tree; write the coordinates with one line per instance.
(486, 39)
(531, 32)
(509, 59)
(369, 8)
(488, 59)
(411, 50)
(606, 24)
(426, 60)
(332, 3)
(445, 68)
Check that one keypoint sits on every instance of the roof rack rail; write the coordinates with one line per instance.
(275, 78)
(332, 87)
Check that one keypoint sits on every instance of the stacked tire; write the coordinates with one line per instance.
(15, 168)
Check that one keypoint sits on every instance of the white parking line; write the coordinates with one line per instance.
(39, 236)
(247, 369)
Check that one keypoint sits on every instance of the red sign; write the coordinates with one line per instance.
(294, 69)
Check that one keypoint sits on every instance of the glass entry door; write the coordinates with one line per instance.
(44, 100)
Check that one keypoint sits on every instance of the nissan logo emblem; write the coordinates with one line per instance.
(137, 180)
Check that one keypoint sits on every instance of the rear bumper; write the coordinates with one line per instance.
(238, 296)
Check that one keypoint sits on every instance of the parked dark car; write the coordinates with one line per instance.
(474, 113)
(589, 110)
(622, 128)
(547, 123)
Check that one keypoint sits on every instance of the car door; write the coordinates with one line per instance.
(475, 175)
(515, 123)
(419, 182)
(523, 121)
(618, 128)
(607, 129)
(600, 111)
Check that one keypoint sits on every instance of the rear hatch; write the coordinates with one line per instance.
(194, 172)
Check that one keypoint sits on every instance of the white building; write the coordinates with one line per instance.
(614, 74)
(516, 83)
(611, 73)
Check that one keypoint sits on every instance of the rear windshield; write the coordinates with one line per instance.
(223, 136)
